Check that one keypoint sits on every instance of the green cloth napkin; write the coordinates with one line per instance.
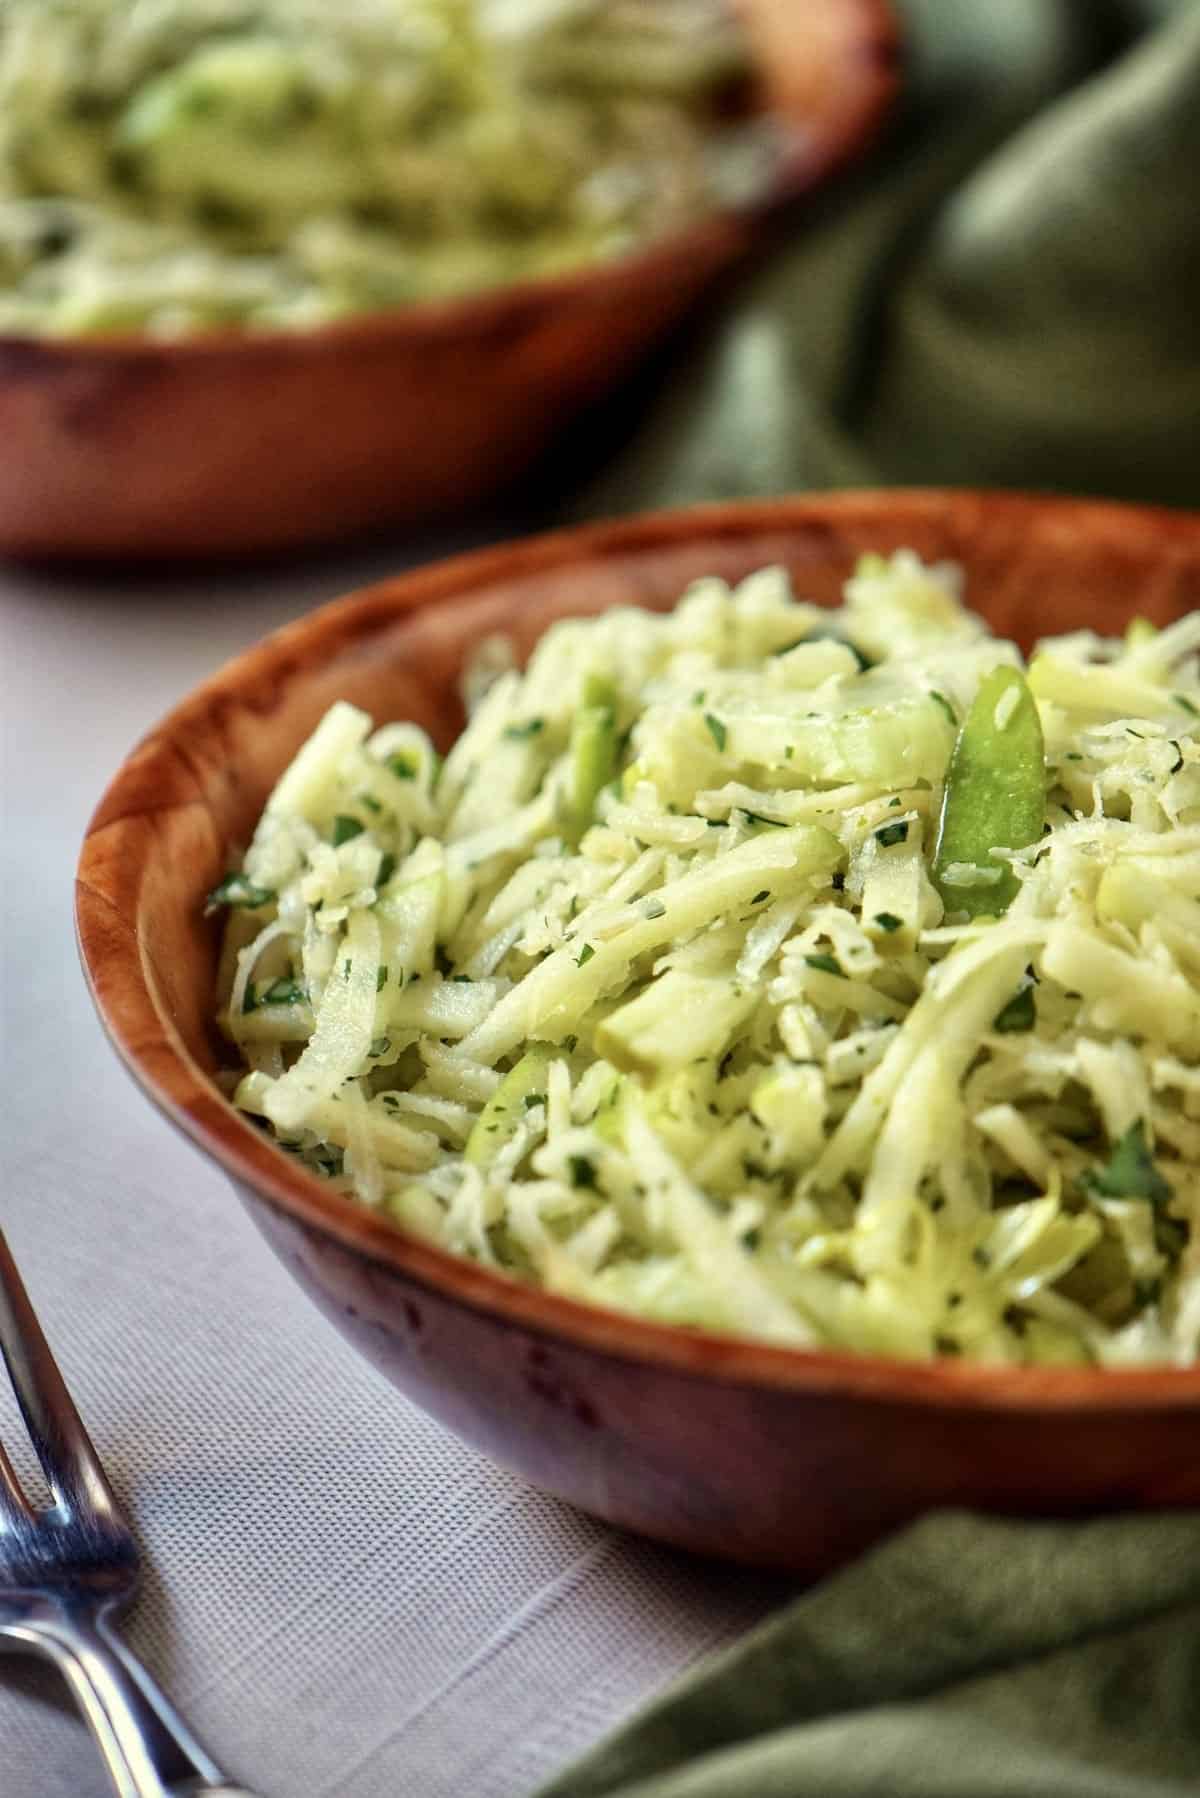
(1008, 292)
(967, 1658)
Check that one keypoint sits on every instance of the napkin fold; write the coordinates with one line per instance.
(966, 1658)
(1007, 292)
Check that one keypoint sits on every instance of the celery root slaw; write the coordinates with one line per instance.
(828, 977)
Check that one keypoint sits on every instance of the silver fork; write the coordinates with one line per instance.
(66, 1569)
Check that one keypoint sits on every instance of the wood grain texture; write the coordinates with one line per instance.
(230, 442)
(727, 1446)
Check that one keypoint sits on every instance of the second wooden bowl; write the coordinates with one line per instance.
(231, 442)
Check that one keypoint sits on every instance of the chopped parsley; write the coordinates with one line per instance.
(236, 890)
(888, 835)
(825, 634)
(403, 766)
(1020, 1014)
(345, 829)
(1130, 1171)
(520, 733)
(585, 955)
(887, 920)
(284, 991)
(716, 731)
(825, 964)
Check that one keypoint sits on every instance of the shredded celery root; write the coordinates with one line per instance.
(656, 993)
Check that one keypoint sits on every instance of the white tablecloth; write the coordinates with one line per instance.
(341, 1597)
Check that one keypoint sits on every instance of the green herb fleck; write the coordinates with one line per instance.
(585, 955)
(283, 992)
(345, 829)
(520, 733)
(824, 964)
(372, 804)
(716, 731)
(403, 766)
(532, 1099)
(236, 890)
(1129, 1172)
(890, 834)
(826, 634)
(250, 999)
(654, 908)
(1018, 1015)
(1187, 705)
(888, 921)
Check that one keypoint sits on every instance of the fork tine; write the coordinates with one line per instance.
(70, 1463)
(14, 1508)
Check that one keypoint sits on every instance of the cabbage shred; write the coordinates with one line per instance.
(648, 994)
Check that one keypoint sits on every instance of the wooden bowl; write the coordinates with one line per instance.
(765, 1454)
(230, 442)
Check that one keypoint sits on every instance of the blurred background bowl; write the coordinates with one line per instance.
(233, 442)
(763, 1454)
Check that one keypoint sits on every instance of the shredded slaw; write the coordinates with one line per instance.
(648, 992)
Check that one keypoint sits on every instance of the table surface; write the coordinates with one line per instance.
(341, 1597)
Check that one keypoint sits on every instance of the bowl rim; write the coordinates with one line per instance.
(144, 1039)
(873, 44)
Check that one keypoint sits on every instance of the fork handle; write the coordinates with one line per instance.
(147, 1749)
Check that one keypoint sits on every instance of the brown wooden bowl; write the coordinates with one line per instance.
(765, 1454)
(229, 442)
